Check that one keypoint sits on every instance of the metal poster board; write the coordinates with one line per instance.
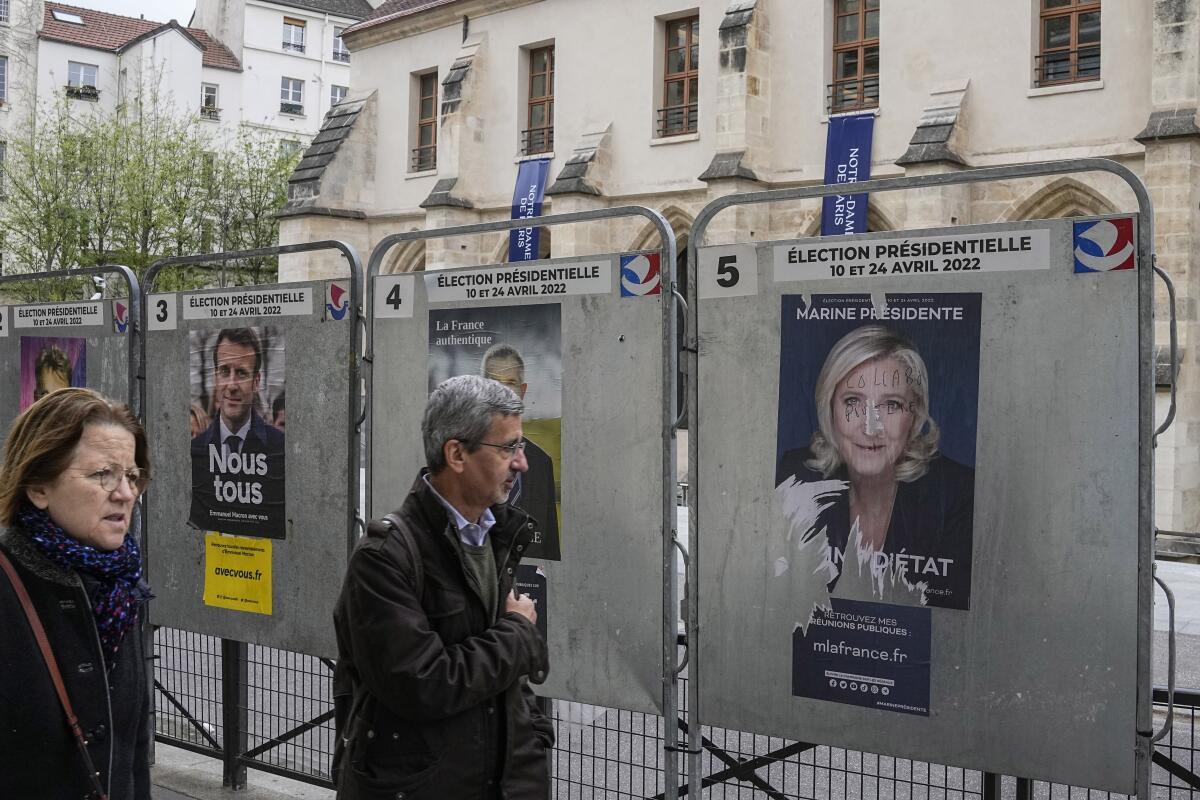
(52, 345)
(251, 430)
(920, 491)
(582, 340)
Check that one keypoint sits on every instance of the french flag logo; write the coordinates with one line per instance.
(1104, 245)
(120, 316)
(337, 302)
(640, 275)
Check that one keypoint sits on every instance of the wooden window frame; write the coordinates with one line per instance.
(863, 87)
(291, 43)
(424, 158)
(1074, 63)
(333, 87)
(680, 119)
(540, 139)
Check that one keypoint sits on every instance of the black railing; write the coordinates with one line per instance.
(292, 108)
(83, 92)
(297, 46)
(210, 112)
(272, 710)
(537, 140)
(1066, 66)
(853, 94)
(677, 120)
(424, 158)
(342, 55)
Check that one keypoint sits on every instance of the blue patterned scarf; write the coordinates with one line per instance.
(117, 572)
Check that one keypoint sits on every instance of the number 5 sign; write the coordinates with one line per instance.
(727, 271)
(394, 296)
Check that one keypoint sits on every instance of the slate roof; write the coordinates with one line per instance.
(354, 9)
(112, 32)
(395, 9)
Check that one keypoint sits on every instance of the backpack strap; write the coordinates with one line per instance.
(405, 535)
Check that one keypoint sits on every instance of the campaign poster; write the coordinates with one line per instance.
(520, 346)
(865, 654)
(49, 363)
(875, 466)
(238, 414)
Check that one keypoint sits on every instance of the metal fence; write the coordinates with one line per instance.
(281, 716)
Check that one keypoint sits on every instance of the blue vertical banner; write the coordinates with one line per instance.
(847, 159)
(526, 204)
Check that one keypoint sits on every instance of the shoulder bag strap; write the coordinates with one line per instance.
(39, 633)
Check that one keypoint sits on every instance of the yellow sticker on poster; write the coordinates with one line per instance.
(237, 572)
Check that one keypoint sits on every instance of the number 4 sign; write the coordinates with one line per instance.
(727, 271)
(394, 296)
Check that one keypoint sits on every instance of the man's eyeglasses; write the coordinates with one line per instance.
(510, 450)
(110, 478)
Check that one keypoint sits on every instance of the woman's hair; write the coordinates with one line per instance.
(42, 441)
(872, 343)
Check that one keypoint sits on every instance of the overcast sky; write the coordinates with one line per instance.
(158, 10)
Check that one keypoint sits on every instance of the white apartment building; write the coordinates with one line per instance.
(674, 103)
(278, 66)
(294, 65)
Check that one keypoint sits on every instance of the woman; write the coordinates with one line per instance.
(908, 509)
(74, 466)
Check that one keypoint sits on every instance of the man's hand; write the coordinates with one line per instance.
(521, 604)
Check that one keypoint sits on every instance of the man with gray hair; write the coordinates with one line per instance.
(534, 490)
(435, 650)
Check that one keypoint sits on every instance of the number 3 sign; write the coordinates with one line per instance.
(727, 271)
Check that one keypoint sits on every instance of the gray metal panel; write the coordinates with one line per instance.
(1040, 677)
(605, 623)
(309, 563)
(107, 359)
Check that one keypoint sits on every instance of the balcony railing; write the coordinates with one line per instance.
(210, 112)
(292, 108)
(1066, 66)
(537, 140)
(83, 92)
(424, 158)
(342, 55)
(854, 94)
(677, 120)
(296, 46)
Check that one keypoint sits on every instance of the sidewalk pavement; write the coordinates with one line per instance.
(183, 775)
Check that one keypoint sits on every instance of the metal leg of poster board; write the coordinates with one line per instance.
(234, 715)
(744, 769)
(671, 417)
(991, 786)
(1145, 253)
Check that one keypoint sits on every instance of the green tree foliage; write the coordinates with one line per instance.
(84, 186)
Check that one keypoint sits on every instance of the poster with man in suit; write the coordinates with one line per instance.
(521, 347)
(237, 455)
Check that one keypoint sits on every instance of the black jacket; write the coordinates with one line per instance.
(39, 759)
(431, 695)
(932, 518)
